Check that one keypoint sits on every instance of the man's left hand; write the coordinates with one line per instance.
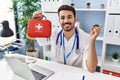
(95, 30)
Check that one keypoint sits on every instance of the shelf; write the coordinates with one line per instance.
(99, 38)
(77, 9)
(114, 9)
(109, 64)
(114, 41)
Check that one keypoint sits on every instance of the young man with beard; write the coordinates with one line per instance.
(71, 45)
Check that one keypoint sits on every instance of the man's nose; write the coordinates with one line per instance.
(66, 20)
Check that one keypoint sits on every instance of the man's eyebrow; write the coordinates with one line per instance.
(67, 15)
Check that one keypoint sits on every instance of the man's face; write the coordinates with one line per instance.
(67, 20)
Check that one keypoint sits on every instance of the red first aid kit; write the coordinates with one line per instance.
(39, 28)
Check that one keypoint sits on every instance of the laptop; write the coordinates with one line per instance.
(28, 73)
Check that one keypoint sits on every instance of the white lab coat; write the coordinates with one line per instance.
(75, 59)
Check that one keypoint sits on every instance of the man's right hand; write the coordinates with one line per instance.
(37, 15)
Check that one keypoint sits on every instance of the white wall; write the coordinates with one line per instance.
(5, 14)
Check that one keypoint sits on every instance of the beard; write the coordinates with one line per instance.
(67, 26)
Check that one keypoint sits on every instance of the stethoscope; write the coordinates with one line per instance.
(76, 40)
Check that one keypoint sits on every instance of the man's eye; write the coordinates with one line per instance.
(69, 17)
(62, 18)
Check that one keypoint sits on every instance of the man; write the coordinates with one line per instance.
(71, 45)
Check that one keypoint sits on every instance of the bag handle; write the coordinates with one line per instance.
(43, 16)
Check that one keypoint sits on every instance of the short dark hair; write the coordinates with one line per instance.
(67, 7)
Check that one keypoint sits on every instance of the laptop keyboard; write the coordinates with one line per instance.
(37, 75)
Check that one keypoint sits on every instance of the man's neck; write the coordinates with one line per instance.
(69, 34)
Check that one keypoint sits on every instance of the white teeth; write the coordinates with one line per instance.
(67, 24)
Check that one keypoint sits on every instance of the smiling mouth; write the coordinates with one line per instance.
(67, 25)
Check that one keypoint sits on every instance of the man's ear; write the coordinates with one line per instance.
(59, 19)
(76, 19)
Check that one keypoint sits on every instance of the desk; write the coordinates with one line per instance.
(15, 46)
(7, 74)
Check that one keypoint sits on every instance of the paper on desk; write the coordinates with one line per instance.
(63, 75)
(67, 75)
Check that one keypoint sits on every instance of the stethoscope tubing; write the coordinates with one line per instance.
(61, 36)
(60, 33)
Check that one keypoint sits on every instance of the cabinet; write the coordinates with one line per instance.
(111, 40)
